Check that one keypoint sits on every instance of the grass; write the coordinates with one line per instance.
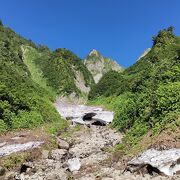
(17, 159)
(30, 56)
(139, 137)
(56, 127)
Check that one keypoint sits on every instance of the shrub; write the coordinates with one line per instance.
(168, 97)
(27, 120)
(3, 126)
(126, 112)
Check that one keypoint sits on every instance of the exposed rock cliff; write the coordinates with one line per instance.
(99, 65)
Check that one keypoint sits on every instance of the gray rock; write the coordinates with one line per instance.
(51, 177)
(74, 164)
(62, 144)
(10, 175)
(2, 171)
(166, 161)
(45, 154)
(58, 154)
(99, 65)
(3, 143)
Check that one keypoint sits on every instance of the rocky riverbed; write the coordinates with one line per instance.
(86, 154)
(83, 156)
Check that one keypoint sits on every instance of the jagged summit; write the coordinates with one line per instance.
(94, 52)
(99, 65)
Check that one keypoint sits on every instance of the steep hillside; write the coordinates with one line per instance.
(144, 53)
(61, 71)
(99, 65)
(31, 78)
(23, 103)
(29, 56)
(146, 96)
(64, 72)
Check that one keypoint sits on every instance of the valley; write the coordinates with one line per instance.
(83, 151)
(63, 117)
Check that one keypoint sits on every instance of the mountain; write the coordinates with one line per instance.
(99, 65)
(32, 76)
(61, 70)
(145, 97)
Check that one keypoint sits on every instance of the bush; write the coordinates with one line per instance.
(3, 126)
(126, 112)
(56, 127)
(168, 97)
(27, 120)
(47, 110)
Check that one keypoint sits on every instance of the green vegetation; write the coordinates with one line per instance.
(30, 55)
(14, 160)
(23, 102)
(107, 85)
(31, 78)
(145, 96)
(59, 69)
(56, 127)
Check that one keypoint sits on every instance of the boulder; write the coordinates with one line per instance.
(165, 161)
(45, 154)
(88, 116)
(10, 175)
(58, 154)
(62, 144)
(74, 164)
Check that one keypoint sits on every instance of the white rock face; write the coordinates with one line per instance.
(75, 113)
(166, 161)
(74, 164)
(99, 65)
(80, 82)
(12, 148)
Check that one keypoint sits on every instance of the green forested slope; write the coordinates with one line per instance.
(59, 69)
(146, 95)
(23, 103)
(30, 56)
(30, 79)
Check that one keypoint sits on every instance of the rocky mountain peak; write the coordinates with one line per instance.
(99, 65)
(94, 52)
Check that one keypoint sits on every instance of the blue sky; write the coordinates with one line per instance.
(120, 29)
